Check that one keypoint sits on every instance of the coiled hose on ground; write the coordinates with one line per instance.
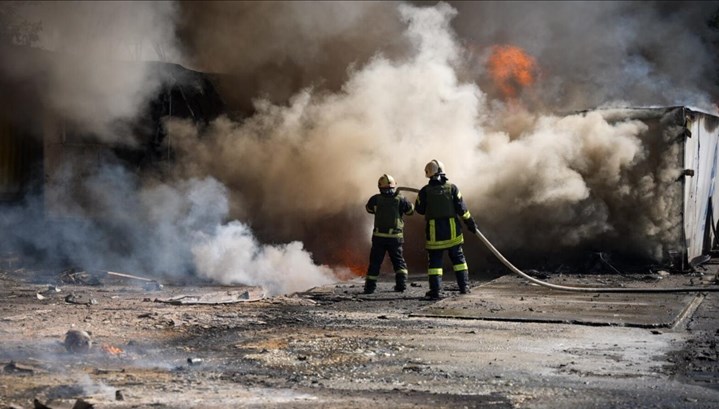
(522, 274)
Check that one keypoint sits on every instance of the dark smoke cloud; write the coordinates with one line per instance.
(86, 65)
(597, 53)
(273, 49)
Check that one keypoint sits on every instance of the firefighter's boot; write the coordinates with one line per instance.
(370, 285)
(435, 285)
(400, 280)
(463, 281)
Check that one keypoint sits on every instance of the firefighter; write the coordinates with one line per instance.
(442, 205)
(388, 208)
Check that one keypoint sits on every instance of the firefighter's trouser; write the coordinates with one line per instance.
(393, 248)
(459, 265)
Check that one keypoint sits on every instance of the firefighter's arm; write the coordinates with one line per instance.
(407, 207)
(471, 224)
(462, 210)
(420, 204)
(371, 205)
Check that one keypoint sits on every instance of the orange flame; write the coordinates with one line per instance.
(511, 69)
(350, 259)
(112, 350)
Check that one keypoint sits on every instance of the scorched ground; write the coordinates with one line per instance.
(333, 347)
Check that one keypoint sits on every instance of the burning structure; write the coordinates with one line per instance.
(328, 111)
(679, 169)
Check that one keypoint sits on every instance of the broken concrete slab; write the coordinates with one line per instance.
(510, 298)
(222, 297)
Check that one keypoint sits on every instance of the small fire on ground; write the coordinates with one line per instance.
(112, 350)
(353, 264)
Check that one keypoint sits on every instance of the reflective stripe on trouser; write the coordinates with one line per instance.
(434, 260)
(380, 247)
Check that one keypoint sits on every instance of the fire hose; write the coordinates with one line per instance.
(522, 274)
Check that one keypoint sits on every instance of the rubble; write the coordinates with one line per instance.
(324, 348)
(72, 276)
(217, 298)
(80, 299)
(21, 369)
(148, 283)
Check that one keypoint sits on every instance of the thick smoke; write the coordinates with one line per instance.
(273, 49)
(330, 96)
(89, 76)
(231, 254)
(534, 182)
(604, 53)
(87, 65)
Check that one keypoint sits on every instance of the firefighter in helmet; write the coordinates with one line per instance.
(388, 207)
(442, 205)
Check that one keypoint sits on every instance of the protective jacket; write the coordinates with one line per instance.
(388, 211)
(442, 205)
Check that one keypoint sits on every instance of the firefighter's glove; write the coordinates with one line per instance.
(471, 225)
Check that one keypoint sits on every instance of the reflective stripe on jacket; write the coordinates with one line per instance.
(442, 230)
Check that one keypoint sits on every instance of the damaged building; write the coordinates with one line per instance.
(44, 152)
(677, 172)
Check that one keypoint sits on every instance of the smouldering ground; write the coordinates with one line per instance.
(334, 347)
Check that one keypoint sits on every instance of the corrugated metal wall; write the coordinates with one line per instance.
(701, 156)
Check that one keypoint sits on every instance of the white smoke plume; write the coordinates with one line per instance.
(232, 255)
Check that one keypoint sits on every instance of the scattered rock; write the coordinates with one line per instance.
(77, 341)
(80, 299)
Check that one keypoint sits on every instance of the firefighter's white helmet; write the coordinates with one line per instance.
(433, 168)
(386, 182)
